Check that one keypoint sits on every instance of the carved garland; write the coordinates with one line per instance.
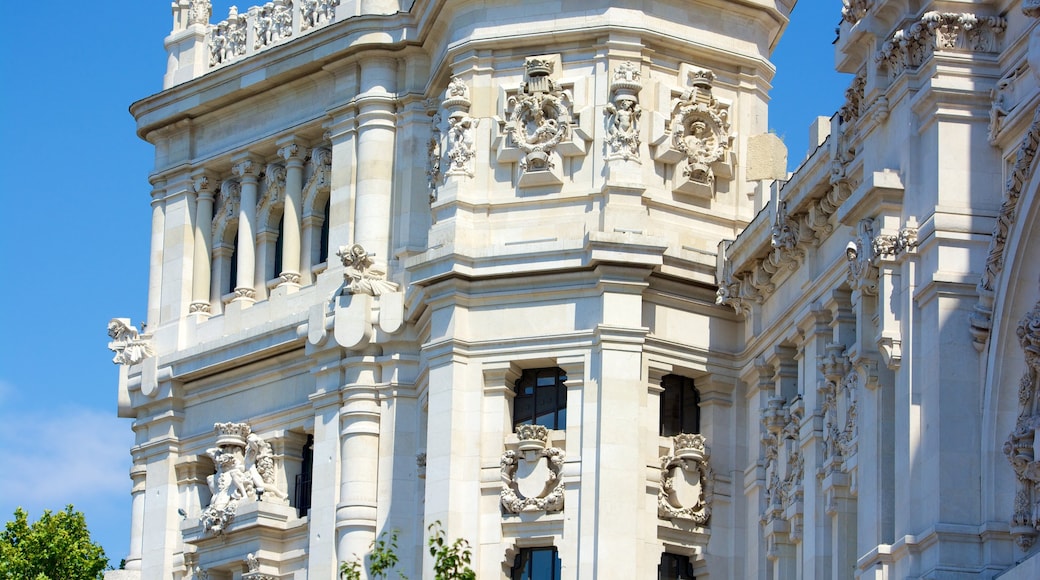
(981, 320)
(534, 441)
(690, 454)
(1021, 447)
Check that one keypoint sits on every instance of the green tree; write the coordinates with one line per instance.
(450, 561)
(55, 547)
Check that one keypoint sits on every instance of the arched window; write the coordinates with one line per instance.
(536, 564)
(680, 406)
(541, 399)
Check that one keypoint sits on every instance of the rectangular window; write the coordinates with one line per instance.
(674, 567)
(680, 406)
(302, 496)
(537, 564)
(541, 399)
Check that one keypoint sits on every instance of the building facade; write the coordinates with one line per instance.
(537, 273)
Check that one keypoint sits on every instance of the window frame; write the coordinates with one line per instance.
(557, 392)
(673, 386)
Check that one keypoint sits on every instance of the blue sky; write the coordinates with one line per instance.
(74, 231)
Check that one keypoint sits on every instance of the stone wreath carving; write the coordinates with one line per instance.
(687, 481)
(245, 471)
(523, 471)
(1022, 447)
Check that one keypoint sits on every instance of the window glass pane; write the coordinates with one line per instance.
(537, 564)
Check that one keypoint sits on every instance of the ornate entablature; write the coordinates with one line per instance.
(1022, 447)
(245, 471)
(529, 483)
(909, 48)
(540, 125)
(1021, 170)
(697, 139)
(687, 481)
(130, 347)
(784, 471)
(623, 113)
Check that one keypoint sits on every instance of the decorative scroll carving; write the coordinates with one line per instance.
(785, 471)
(623, 113)
(314, 13)
(1022, 447)
(1017, 179)
(273, 198)
(362, 276)
(523, 469)
(687, 481)
(127, 343)
(910, 47)
(539, 118)
(245, 471)
(699, 128)
(853, 10)
(199, 11)
(459, 149)
(226, 215)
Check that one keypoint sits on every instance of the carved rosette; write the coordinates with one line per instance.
(1021, 448)
(687, 481)
(909, 48)
(623, 114)
(130, 347)
(524, 468)
(245, 471)
(459, 149)
(362, 275)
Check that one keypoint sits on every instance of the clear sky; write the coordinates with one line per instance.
(75, 219)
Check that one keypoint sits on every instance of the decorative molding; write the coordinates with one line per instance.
(226, 215)
(320, 181)
(868, 248)
(623, 113)
(910, 47)
(1002, 95)
(839, 394)
(130, 347)
(362, 276)
(434, 175)
(1021, 448)
(245, 471)
(689, 456)
(227, 39)
(272, 199)
(273, 22)
(315, 13)
(1021, 171)
(253, 569)
(459, 149)
(854, 99)
(784, 470)
(852, 11)
(199, 12)
(547, 483)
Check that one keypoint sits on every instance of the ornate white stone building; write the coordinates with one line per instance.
(536, 271)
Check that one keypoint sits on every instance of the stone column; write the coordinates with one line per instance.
(202, 268)
(247, 169)
(293, 151)
(155, 259)
(137, 475)
(376, 133)
(359, 459)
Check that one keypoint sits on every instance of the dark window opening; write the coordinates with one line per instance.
(233, 267)
(303, 480)
(536, 564)
(323, 243)
(674, 567)
(541, 399)
(680, 406)
(278, 251)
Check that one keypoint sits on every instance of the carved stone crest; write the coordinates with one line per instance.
(687, 481)
(532, 474)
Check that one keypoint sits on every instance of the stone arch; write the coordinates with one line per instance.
(1017, 291)
(316, 192)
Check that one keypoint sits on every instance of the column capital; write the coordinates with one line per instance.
(247, 166)
(204, 182)
(292, 148)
